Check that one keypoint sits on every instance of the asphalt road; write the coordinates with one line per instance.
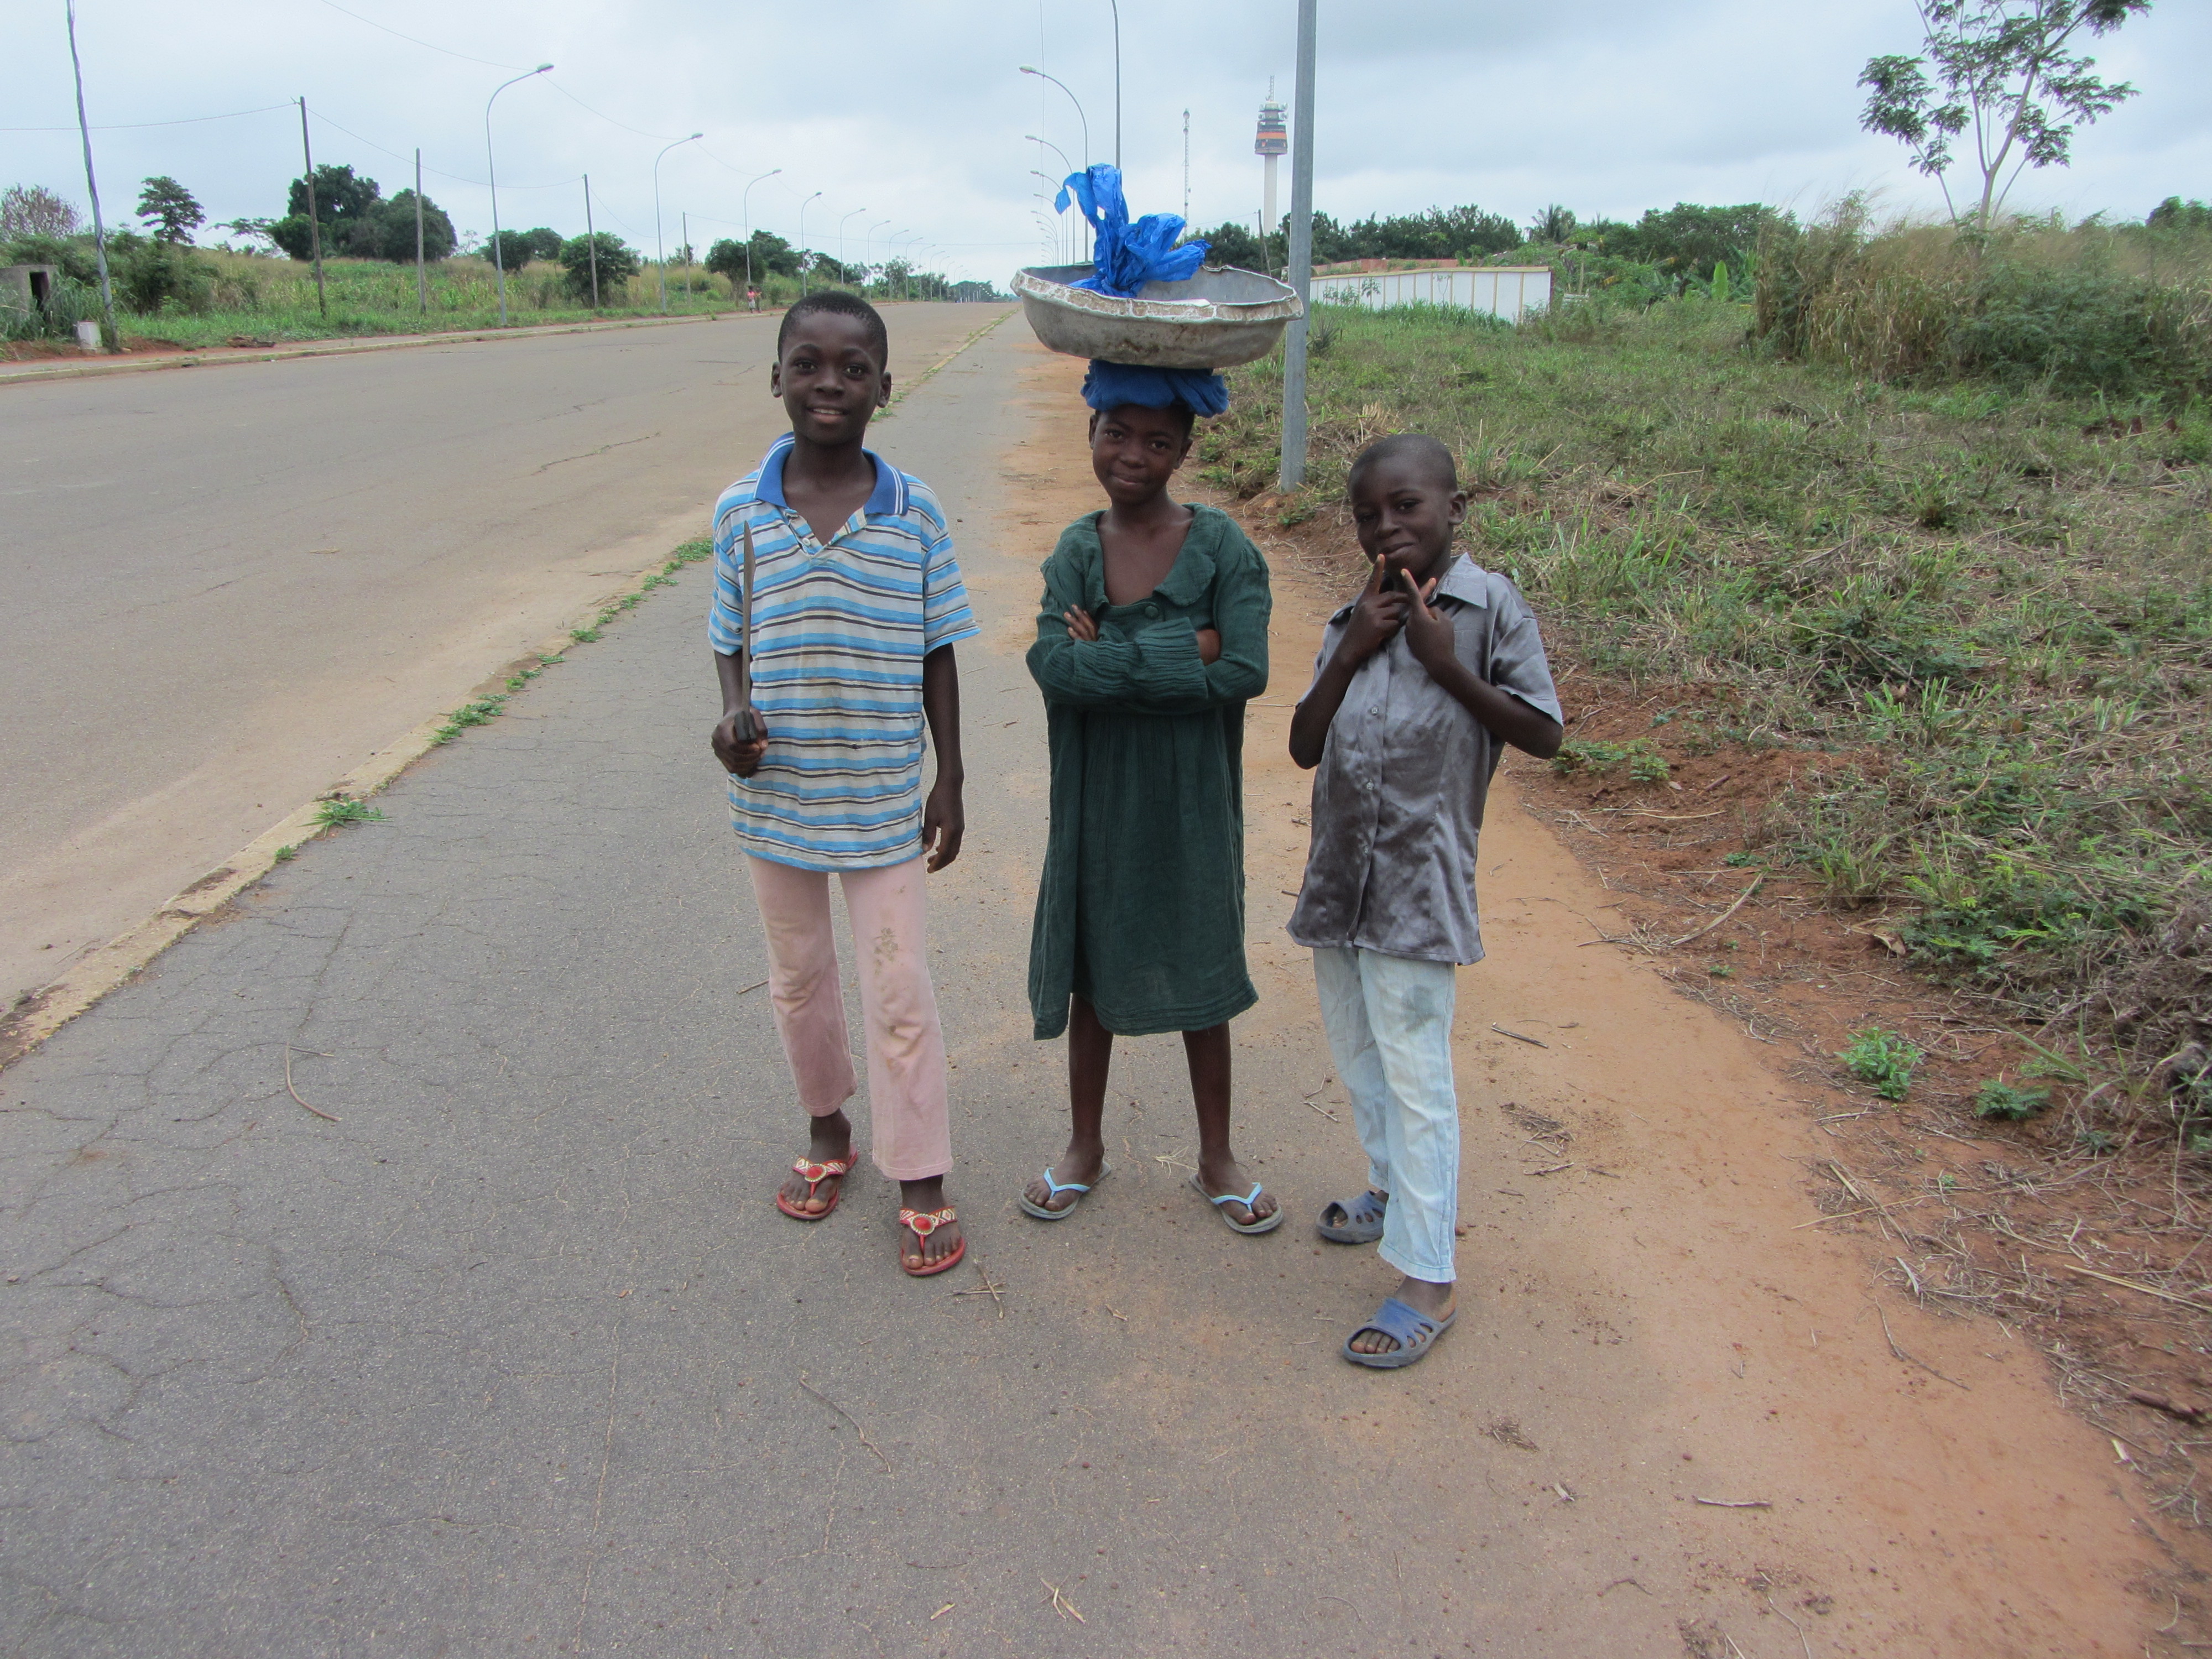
(222, 590)
(512, 1354)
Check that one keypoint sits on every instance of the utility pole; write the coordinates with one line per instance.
(315, 217)
(422, 282)
(92, 185)
(1186, 166)
(1116, 4)
(683, 218)
(592, 241)
(1301, 250)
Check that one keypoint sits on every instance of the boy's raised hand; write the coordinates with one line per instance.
(1429, 634)
(1379, 613)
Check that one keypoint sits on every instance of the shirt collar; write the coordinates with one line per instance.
(888, 496)
(1463, 580)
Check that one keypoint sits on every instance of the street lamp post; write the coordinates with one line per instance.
(1058, 232)
(906, 277)
(661, 252)
(842, 273)
(1293, 470)
(1072, 98)
(746, 212)
(1056, 182)
(1116, 4)
(802, 242)
(868, 248)
(491, 173)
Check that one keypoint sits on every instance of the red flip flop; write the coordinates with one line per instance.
(814, 1175)
(922, 1225)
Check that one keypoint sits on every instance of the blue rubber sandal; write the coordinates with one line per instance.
(1363, 1218)
(1055, 1188)
(1266, 1224)
(1415, 1333)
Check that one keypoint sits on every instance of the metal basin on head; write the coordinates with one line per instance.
(1219, 318)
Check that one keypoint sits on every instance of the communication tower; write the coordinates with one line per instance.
(1273, 139)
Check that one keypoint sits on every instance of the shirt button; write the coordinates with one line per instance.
(1152, 611)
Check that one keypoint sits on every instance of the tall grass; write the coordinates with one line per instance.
(1987, 604)
(2125, 310)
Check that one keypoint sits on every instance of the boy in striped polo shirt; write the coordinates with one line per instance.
(857, 603)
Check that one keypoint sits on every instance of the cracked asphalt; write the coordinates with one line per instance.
(511, 1353)
(515, 1355)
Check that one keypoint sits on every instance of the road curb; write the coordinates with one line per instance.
(122, 959)
(335, 347)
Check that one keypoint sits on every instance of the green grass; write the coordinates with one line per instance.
(332, 813)
(1881, 1060)
(2008, 1102)
(1986, 610)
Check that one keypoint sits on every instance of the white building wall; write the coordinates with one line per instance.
(1507, 291)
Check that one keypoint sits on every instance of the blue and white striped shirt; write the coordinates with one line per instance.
(839, 633)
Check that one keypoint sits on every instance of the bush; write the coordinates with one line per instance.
(617, 262)
(2124, 312)
(153, 277)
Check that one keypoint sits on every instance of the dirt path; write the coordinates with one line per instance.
(1656, 1323)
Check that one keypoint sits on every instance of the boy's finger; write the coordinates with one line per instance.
(1375, 577)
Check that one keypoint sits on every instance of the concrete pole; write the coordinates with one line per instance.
(315, 215)
(1294, 348)
(1268, 217)
(421, 281)
(592, 241)
(113, 341)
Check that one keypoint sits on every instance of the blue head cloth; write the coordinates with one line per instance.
(1127, 256)
(1110, 386)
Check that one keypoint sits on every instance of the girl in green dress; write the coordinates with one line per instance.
(1153, 635)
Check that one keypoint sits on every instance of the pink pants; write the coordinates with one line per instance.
(906, 1044)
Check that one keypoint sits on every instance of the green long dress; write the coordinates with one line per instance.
(1140, 910)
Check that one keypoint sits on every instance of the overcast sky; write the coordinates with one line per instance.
(916, 114)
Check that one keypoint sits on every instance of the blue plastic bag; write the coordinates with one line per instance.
(1127, 256)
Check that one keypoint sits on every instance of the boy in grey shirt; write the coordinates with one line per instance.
(1419, 683)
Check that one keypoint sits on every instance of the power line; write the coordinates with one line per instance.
(181, 121)
(656, 136)
(412, 40)
(321, 119)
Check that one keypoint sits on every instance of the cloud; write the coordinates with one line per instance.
(915, 112)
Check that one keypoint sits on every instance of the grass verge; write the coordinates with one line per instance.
(1982, 615)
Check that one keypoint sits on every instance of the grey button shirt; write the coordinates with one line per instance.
(1398, 797)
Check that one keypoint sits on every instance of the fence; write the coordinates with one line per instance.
(1507, 291)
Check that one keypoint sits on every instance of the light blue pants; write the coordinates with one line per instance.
(1390, 1029)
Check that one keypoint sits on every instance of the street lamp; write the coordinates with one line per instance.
(491, 172)
(1059, 231)
(906, 277)
(1116, 4)
(1070, 165)
(802, 242)
(868, 246)
(745, 213)
(658, 252)
(1072, 98)
(842, 223)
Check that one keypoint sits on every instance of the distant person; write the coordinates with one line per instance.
(752, 298)
(1421, 682)
(1153, 637)
(858, 603)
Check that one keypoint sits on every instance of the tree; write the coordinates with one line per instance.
(1689, 241)
(2174, 213)
(388, 232)
(617, 263)
(168, 207)
(517, 248)
(2000, 69)
(344, 202)
(1554, 225)
(34, 211)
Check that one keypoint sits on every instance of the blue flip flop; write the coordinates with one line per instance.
(1415, 1333)
(1266, 1224)
(1055, 1188)
(1363, 1218)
